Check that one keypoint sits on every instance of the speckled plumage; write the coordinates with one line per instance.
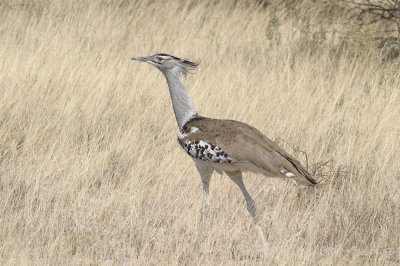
(206, 152)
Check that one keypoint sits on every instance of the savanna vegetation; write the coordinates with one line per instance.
(90, 172)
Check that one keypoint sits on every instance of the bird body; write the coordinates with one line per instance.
(223, 145)
(230, 145)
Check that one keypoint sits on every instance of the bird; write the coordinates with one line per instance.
(224, 146)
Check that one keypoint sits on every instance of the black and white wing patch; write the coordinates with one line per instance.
(200, 149)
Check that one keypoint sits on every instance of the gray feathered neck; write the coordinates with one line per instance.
(183, 107)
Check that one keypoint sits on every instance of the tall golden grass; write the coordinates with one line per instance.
(90, 172)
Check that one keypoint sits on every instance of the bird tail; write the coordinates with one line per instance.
(304, 176)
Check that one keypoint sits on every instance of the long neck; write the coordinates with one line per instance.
(183, 106)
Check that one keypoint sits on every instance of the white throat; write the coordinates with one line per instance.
(183, 106)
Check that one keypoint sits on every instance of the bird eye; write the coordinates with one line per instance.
(160, 59)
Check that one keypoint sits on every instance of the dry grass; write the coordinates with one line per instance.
(90, 172)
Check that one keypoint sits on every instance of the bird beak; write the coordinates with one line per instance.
(141, 59)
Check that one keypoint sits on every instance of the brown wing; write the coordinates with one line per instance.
(245, 143)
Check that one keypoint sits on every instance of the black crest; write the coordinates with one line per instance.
(186, 66)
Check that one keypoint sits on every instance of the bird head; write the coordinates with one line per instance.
(168, 63)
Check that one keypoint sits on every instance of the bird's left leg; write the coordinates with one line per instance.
(206, 172)
(251, 207)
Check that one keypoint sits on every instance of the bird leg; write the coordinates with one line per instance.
(205, 174)
(251, 206)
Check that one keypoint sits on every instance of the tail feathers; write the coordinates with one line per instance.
(305, 176)
(304, 179)
(287, 173)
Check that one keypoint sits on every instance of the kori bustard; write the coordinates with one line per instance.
(223, 145)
